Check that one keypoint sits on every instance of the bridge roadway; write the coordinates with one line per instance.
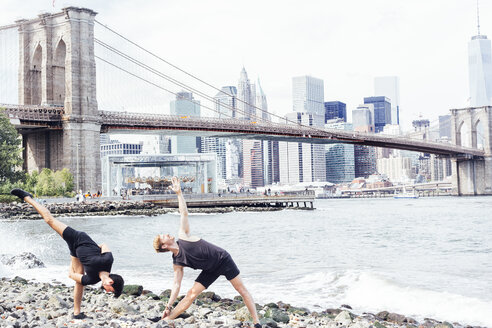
(35, 117)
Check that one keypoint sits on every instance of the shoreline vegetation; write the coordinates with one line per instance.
(31, 303)
(17, 210)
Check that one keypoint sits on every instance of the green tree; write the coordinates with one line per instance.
(31, 181)
(46, 183)
(63, 182)
(10, 152)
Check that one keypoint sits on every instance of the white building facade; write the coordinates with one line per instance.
(301, 162)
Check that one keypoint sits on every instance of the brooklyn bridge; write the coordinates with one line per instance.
(60, 120)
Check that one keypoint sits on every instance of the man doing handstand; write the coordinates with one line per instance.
(196, 253)
(95, 260)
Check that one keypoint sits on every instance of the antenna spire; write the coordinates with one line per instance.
(478, 18)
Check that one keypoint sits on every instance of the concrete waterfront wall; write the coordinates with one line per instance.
(57, 67)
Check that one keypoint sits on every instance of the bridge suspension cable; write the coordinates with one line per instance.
(152, 83)
(160, 74)
(283, 119)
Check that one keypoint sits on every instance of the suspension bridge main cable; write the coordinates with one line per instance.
(164, 76)
(150, 82)
(202, 81)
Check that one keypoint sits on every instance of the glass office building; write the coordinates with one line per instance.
(334, 110)
(382, 111)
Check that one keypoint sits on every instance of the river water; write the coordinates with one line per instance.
(427, 257)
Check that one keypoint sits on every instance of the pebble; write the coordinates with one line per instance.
(30, 304)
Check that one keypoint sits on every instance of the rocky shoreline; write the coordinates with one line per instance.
(34, 304)
(25, 211)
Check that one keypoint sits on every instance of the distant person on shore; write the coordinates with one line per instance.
(196, 253)
(95, 260)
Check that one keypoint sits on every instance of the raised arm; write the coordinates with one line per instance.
(184, 227)
(178, 277)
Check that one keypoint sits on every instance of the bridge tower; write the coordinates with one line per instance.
(472, 127)
(57, 67)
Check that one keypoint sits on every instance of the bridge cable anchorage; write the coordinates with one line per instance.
(201, 80)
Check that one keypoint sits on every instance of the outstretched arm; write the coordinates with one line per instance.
(178, 277)
(184, 227)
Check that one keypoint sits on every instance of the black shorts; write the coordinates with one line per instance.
(73, 239)
(227, 268)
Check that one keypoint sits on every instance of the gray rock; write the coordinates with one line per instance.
(343, 318)
(396, 318)
(204, 311)
(24, 260)
(268, 322)
(383, 315)
(135, 290)
(242, 314)
(19, 280)
(121, 307)
(25, 298)
(57, 302)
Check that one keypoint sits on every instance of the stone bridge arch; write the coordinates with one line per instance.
(57, 68)
(472, 127)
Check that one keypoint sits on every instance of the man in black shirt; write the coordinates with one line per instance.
(196, 253)
(95, 260)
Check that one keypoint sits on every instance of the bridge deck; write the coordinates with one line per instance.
(53, 117)
(120, 122)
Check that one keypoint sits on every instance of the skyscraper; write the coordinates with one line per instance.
(382, 111)
(252, 158)
(308, 97)
(445, 126)
(261, 102)
(246, 97)
(335, 109)
(339, 157)
(363, 118)
(364, 156)
(301, 162)
(228, 150)
(226, 102)
(389, 86)
(270, 148)
(185, 105)
(480, 71)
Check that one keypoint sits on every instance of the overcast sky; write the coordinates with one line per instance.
(345, 43)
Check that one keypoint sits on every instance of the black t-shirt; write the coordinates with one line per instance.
(89, 253)
(199, 255)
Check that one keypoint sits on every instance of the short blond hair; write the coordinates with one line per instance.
(158, 244)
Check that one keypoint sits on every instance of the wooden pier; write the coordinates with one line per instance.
(304, 202)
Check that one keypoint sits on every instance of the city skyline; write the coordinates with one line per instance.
(426, 49)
